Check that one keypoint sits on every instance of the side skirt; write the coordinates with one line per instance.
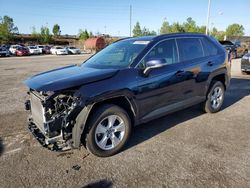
(172, 108)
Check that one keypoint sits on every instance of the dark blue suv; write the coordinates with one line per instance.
(130, 82)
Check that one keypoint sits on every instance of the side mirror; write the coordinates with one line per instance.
(153, 64)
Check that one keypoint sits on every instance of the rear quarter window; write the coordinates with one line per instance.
(190, 48)
(210, 48)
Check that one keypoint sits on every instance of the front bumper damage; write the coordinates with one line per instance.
(56, 143)
(52, 119)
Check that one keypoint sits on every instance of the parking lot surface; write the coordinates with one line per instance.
(188, 148)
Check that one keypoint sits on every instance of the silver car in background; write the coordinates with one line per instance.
(58, 50)
(34, 50)
(73, 50)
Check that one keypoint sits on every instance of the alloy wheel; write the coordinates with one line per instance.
(109, 132)
(216, 97)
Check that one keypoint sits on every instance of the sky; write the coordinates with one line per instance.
(112, 16)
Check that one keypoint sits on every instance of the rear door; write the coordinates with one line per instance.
(195, 67)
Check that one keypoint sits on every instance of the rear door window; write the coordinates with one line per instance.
(190, 48)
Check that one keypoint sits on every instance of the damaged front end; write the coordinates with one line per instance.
(52, 117)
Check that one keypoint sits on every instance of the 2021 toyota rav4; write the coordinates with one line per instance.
(132, 81)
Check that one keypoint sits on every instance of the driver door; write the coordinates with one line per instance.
(162, 87)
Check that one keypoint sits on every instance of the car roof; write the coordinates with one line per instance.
(165, 36)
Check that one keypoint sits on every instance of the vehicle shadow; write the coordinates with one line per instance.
(148, 130)
(239, 89)
(1, 146)
(99, 184)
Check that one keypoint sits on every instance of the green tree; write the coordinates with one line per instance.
(147, 32)
(56, 30)
(90, 34)
(201, 29)
(7, 29)
(137, 30)
(165, 28)
(235, 30)
(34, 33)
(219, 35)
(190, 25)
(177, 28)
(45, 36)
(83, 35)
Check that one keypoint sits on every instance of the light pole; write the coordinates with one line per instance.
(208, 16)
(130, 20)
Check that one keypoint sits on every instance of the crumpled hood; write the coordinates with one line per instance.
(67, 77)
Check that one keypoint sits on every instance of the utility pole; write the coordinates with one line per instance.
(208, 17)
(130, 20)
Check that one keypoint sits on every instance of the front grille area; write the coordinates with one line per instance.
(37, 111)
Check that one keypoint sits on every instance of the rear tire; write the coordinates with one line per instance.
(109, 129)
(215, 97)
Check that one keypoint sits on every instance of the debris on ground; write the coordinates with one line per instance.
(76, 167)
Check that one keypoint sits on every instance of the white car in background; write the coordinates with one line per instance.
(40, 48)
(58, 50)
(13, 49)
(73, 50)
(34, 50)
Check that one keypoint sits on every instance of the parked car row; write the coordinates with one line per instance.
(21, 50)
(58, 50)
(235, 49)
(245, 64)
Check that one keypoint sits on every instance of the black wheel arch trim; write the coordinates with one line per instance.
(222, 71)
(82, 118)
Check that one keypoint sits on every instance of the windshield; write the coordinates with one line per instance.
(117, 55)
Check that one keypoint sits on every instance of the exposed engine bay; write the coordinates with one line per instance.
(51, 119)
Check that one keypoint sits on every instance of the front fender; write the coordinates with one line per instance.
(79, 126)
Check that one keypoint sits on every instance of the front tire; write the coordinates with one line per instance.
(109, 129)
(215, 97)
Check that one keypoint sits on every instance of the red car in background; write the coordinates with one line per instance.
(22, 51)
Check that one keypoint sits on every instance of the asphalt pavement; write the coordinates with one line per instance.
(188, 148)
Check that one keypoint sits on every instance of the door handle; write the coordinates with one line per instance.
(210, 63)
(180, 73)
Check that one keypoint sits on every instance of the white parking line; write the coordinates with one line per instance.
(12, 151)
